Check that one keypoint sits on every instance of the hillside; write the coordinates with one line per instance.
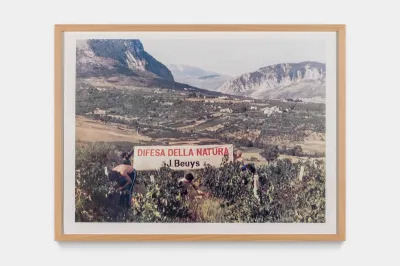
(107, 57)
(280, 81)
(116, 63)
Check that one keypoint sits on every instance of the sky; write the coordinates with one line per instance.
(235, 56)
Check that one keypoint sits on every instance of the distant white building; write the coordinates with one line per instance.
(223, 97)
(98, 111)
(248, 101)
(167, 103)
(158, 91)
(269, 111)
(313, 100)
(253, 108)
(209, 101)
(226, 110)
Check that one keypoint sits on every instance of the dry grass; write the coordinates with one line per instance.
(94, 130)
(207, 210)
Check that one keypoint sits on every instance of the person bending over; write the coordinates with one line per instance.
(124, 175)
(185, 182)
(126, 157)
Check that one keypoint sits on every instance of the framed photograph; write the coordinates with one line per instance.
(199, 132)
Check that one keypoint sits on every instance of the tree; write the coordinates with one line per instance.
(297, 150)
(270, 153)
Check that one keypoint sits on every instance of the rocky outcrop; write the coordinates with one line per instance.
(296, 80)
(107, 57)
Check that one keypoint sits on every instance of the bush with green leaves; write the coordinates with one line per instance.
(95, 197)
(270, 153)
(283, 197)
(97, 200)
(161, 201)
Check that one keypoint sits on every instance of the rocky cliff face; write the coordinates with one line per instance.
(297, 80)
(108, 57)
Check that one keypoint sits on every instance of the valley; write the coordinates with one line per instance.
(124, 95)
(274, 117)
(146, 116)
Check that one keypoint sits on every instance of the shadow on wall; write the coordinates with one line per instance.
(239, 246)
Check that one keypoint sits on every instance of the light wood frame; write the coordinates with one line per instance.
(341, 134)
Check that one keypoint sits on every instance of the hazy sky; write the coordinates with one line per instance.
(235, 56)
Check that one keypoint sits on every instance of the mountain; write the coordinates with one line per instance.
(123, 63)
(108, 57)
(280, 81)
(198, 77)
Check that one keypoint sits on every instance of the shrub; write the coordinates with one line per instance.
(270, 153)
(95, 200)
(282, 196)
(162, 201)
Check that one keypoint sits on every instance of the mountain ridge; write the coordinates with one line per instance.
(97, 57)
(296, 80)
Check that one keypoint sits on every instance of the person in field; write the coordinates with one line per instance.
(126, 157)
(251, 169)
(237, 156)
(186, 182)
(125, 176)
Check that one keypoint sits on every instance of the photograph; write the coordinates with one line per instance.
(200, 130)
(212, 131)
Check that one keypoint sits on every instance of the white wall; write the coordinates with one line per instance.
(26, 108)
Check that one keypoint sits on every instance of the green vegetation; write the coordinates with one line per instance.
(283, 197)
(166, 116)
(270, 153)
(178, 114)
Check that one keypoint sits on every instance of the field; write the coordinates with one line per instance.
(95, 131)
(165, 116)
(283, 196)
(278, 137)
